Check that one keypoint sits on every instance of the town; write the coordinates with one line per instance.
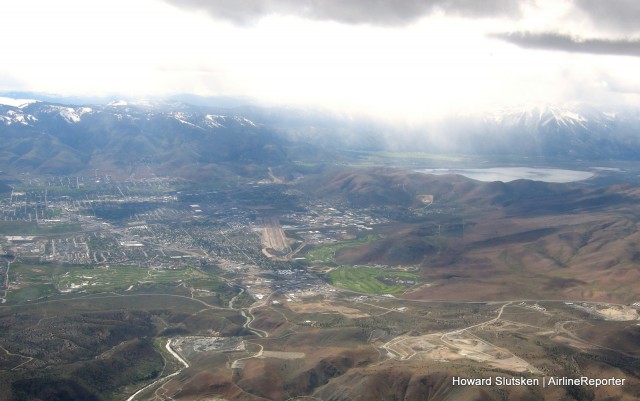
(135, 229)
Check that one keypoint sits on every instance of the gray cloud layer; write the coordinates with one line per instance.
(561, 42)
(621, 15)
(378, 12)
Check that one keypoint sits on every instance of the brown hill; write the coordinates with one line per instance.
(403, 246)
(479, 241)
(378, 187)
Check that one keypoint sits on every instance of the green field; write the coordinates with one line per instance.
(36, 281)
(119, 278)
(32, 228)
(370, 280)
(326, 254)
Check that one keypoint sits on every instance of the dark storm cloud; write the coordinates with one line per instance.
(561, 42)
(621, 15)
(378, 12)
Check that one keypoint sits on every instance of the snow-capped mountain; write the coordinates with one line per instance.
(19, 103)
(574, 131)
(25, 112)
(548, 116)
(16, 117)
(56, 138)
(180, 138)
(537, 116)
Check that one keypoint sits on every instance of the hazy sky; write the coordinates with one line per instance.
(391, 58)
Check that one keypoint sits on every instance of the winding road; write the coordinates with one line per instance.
(184, 363)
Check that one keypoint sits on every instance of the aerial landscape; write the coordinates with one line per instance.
(430, 200)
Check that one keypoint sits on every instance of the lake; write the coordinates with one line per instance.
(507, 174)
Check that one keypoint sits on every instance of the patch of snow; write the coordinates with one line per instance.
(211, 120)
(567, 117)
(537, 115)
(70, 115)
(74, 115)
(15, 117)
(118, 103)
(244, 121)
(19, 103)
(180, 116)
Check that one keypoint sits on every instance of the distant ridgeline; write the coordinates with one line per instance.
(200, 142)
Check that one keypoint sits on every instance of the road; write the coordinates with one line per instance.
(249, 316)
(234, 298)
(495, 319)
(28, 358)
(115, 295)
(176, 355)
(184, 363)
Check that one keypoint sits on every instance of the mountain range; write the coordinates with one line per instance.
(176, 138)
(517, 279)
(576, 131)
(120, 137)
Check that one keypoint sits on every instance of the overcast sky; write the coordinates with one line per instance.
(406, 59)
